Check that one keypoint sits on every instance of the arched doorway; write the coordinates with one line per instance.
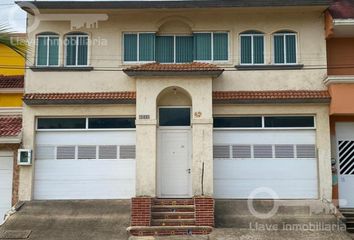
(174, 146)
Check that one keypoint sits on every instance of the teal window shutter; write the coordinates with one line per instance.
(184, 49)
(53, 51)
(42, 49)
(220, 46)
(290, 48)
(246, 49)
(165, 49)
(202, 46)
(146, 47)
(258, 49)
(279, 55)
(71, 51)
(130, 47)
(82, 50)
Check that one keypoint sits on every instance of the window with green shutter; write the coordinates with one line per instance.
(202, 47)
(139, 47)
(130, 47)
(146, 47)
(220, 46)
(252, 47)
(165, 49)
(184, 49)
(285, 48)
(47, 50)
(76, 50)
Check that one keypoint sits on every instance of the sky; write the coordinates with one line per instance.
(11, 15)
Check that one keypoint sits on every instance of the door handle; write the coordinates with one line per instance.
(189, 171)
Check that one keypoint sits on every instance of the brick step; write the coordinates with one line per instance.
(173, 215)
(160, 201)
(169, 230)
(172, 208)
(173, 222)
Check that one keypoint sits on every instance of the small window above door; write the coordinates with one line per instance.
(174, 117)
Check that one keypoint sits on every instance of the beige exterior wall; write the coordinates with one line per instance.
(106, 50)
(322, 133)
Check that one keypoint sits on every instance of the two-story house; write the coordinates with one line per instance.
(340, 52)
(191, 100)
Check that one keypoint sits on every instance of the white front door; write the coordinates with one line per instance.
(6, 169)
(345, 150)
(174, 163)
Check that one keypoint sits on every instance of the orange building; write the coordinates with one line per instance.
(340, 81)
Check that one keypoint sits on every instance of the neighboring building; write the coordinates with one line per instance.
(11, 93)
(340, 81)
(200, 100)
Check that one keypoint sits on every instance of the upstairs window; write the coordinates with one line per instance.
(76, 49)
(285, 48)
(252, 47)
(146, 47)
(47, 50)
(139, 47)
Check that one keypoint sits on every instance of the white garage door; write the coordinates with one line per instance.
(6, 170)
(85, 165)
(265, 164)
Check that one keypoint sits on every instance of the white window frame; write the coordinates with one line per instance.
(86, 124)
(212, 48)
(284, 41)
(77, 36)
(252, 35)
(263, 123)
(48, 36)
(137, 50)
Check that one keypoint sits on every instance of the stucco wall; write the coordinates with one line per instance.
(105, 52)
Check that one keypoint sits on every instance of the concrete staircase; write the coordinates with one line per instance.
(171, 217)
(348, 213)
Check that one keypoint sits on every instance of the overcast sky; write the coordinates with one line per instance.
(13, 16)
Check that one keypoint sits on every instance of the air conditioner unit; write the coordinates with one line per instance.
(24, 157)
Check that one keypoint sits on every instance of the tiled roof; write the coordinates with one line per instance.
(80, 98)
(10, 126)
(271, 96)
(342, 9)
(151, 69)
(16, 81)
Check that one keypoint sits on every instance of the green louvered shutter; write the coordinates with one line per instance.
(53, 51)
(258, 49)
(279, 49)
(290, 48)
(246, 49)
(146, 47)
(220, 46)
(165, 49)
(82, 50)
(42, 49)
(130, 47)
(70, 51)
(184, 49)
(202, 46)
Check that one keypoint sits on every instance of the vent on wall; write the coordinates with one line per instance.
(241, 151)
(306, 151)
(263, 151)
(221, 151)
(107, 152)
(86, 152)
(284, 151)
(127, 152)
(66, 152)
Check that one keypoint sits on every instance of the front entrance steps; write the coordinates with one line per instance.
(172, 217)
(348, 214)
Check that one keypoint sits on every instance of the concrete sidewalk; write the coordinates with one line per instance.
(69, 220)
